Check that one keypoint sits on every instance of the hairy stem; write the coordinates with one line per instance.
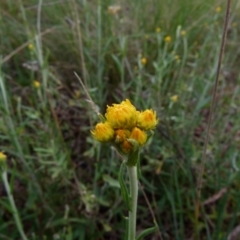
(133, 181)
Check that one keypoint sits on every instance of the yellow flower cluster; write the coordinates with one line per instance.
(124, 122)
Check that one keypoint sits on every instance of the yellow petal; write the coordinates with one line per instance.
(138, 135)
(122, 115)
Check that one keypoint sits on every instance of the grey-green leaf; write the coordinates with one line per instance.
(146, 232)
(123, 187)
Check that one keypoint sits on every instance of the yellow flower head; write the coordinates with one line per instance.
(158, 29)
(3, 157)
(218, 9)
(36, 84)
(168, 39)
(138, 135)
(121, 135)
(174, 98)
(103, 132)
(146, 36)
(144, 61)
(121, 115)
(147, 120)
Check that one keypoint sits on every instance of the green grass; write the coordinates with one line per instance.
(63, 181)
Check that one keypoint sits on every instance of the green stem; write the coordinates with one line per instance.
(13, 205)
(132, 215)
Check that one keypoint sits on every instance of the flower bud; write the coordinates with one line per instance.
(138, 135)
(147, 120)
(103, 132)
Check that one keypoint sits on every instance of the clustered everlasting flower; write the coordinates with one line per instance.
(122, 123)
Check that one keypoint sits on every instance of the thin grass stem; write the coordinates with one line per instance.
(13, 206)
(213, 103)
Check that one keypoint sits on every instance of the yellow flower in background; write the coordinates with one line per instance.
(174, 98)
(113, 10)
(103, 132)
(30, 46)
(158, 29)
(177, 58)
(147, 120)
(77, 94)
(168, 39)
(36, 84)
(234, 24)
(121, 115)
(138, 135)
(3, 157)
(146, 36)
(218, 9)
(144, 61)
(121, 135)
(183, 33)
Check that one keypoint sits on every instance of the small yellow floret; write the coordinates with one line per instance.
(30, 46)
(3, 157)
(158, 29)
(168, 39)
(126, 146)
(147, 120)
(174, 98)
(218, 9)
(144, 61)
(103, 132)
(36, 84)
(121, 135)
(138, 135)
(121, 115)
(183, 33)
(176, 57)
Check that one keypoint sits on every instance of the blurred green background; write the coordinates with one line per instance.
(159, 54)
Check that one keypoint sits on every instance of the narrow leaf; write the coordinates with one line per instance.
(146, 232)
(123, 187)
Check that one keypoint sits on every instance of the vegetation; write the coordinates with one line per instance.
(159, 54)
